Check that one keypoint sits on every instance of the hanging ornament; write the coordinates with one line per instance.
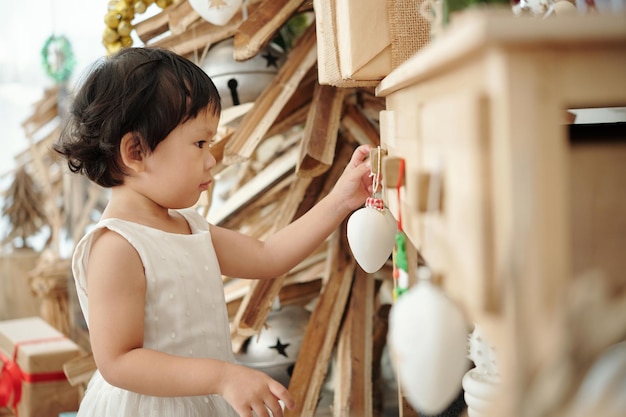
(217, 12)
(240, 82)
(57, 58)
(118, 21)
(372, 229)
(428, 344)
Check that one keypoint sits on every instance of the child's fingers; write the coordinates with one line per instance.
(360, 154)
(260, 411)
(275, 408)
(281, 393)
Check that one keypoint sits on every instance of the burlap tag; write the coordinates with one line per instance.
(410, 31)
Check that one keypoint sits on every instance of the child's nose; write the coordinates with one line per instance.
(210, 161)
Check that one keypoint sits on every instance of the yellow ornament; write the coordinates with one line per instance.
(112, 19)
(110, 35)
(114, 47)
(163, 3)
(140, 7)
(126, 41)
(124, 10)
(124, 28)
(118, 21)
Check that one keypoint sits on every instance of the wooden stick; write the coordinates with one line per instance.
(248, 219)
(268, 105)
(152, 27)
(261, 26)
(295, 118)
(320, 134)
(360, 127)
(295, 111)
(353, 392)
(79, 370)
(321, 333)
(278, 169)
(198, 36)
(181, 16)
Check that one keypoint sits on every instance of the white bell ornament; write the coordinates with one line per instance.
(217, 12)
(371, 235)
(428, 343)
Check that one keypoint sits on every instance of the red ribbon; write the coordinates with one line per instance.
(12, 376)
(398, 187)
(375, 203)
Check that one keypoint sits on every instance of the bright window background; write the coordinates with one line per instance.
(24, 30)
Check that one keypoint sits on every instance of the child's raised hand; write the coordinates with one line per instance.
(355, 184)
(248, 390)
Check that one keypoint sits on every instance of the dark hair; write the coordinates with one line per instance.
(146, 91)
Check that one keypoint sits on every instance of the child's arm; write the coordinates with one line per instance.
(244, 257)
(116, 288)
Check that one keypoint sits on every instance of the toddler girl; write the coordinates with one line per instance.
(148, 275)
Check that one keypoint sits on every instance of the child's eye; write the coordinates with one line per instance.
(200, 144)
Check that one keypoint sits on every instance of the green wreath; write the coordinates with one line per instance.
(59, 69)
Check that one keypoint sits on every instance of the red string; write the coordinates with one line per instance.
(398, 186)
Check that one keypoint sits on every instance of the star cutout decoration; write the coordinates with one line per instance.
(272, 61)
(280, 348)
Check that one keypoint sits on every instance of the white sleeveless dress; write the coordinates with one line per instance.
(185, 315)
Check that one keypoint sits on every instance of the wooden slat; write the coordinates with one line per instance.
(321, 186)
(152, 27)
(295, 111)
(278, 169)
(225, 132)
(47, 104)
(181, 16)
(302, 96)
(295, 118)
(353, 377)
(247, 219)
(198, 36)
(360, 128)
(39, 120)
(300, 294)
(80, 370)
(320, 134)
(321, 333)
(261, 26)
(268, 105)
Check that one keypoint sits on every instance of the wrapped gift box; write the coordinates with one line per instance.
(32, 382)
(359, 42)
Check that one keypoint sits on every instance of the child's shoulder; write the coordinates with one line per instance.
(194, 218)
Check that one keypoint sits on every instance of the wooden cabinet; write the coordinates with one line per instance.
(501, 202)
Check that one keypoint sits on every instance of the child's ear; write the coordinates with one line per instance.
(131, 152)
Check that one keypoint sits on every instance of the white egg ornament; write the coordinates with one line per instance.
(372, 235)
(428, 343)
(217, 12)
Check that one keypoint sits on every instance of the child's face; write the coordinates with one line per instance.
(179, 169)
